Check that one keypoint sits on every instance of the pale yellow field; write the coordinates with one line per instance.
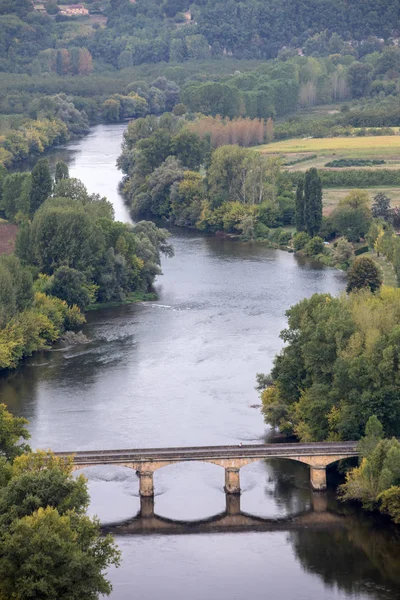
(355, 146)
(332, 196)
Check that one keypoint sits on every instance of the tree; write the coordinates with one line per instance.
(381, 207)
(189, 149)
(300, 208)
(352, 217)
(51, 247)
(16, 194)
(359, 77)
(41, 186)
(62, 171)
(71, 285)
(343, 252)
(363, 274)
(12, 430)
(110, 110)
(49, 556)
(312, 202)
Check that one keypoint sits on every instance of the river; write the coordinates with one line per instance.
(181, 371)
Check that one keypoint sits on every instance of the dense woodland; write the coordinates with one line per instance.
(70, 253)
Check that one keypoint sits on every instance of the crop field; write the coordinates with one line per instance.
(332, 196)
(341, 147)
(324, 150)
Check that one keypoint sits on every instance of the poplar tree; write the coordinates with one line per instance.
(313, 202)
(62, 171)
(42, 184)
(300, 208)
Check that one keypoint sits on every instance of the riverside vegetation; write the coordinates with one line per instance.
(49, 548)
(70, 253)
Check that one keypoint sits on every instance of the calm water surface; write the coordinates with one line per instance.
(181, 371)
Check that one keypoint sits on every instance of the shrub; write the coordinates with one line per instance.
(315, 246)
(300, 239)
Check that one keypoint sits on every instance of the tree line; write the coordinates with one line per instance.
(172, 172)
(70, 253)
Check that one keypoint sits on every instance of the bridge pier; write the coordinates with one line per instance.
(232, 480)
(318, 478)
(146, 483)
(146, 506)
(232, 504)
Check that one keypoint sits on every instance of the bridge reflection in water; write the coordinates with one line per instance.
(231, 520)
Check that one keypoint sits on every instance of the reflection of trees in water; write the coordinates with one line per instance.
(288, 483)
(18, 390)
(357, 559)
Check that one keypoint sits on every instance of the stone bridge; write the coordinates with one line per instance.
(231, 458)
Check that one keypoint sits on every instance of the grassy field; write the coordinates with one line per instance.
(332, 196)
(324, 150)
(339, 147)
(387, 269)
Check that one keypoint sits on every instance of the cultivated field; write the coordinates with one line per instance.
(339, 147)
(332, 196)
(324, 150)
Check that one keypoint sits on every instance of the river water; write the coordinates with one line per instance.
(181, 371)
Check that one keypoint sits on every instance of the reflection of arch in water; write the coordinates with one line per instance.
(231, 520)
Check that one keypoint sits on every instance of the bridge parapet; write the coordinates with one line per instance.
(232, 458)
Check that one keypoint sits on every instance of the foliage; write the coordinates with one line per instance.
(41, 184)
(381, 207)
(300, 239)
(165, 162)
(12, 430)
(338, 368)
(49, 547)
(314, 246)
(352, 217)
(375, 483)
(354, 162)
(309, 203)
(363, 274)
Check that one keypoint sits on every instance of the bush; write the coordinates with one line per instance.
(354, 162)
(314, 247)
(300, 239)
(284, 238)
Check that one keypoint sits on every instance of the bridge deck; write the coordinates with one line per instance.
(217, 452)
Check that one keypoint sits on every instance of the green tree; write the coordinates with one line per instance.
(16, 194)
(352, 217)
(12, 431)
(312, 202)
(189, 149)
(54, 557)
(363, 274)
(71, 285)
(62, 171)
(381, 207)
(41, 186)
(300, 206)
